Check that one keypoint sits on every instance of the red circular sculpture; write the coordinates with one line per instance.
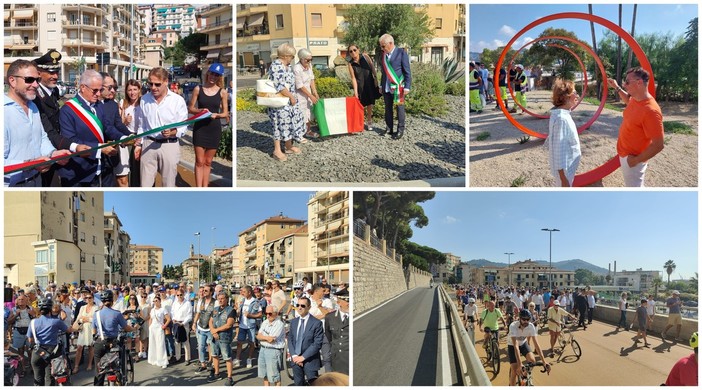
(610, 166)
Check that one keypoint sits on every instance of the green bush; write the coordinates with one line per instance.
(225, 144)
(246, 101)
(427, 92)
(331, 87)
(457, 88)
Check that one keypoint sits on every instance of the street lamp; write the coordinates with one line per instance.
(509, 271)
(213, 254)
(550, 267)
(198, 260)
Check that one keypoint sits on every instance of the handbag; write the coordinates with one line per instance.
(266, 95)
(180, 333)
(376, 92)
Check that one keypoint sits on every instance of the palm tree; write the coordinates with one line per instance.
(594, 48)
(657, 283)
(631, 51)
(619, 52)
(669, 268)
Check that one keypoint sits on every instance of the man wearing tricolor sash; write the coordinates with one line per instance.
(394, 84)
(82, 121)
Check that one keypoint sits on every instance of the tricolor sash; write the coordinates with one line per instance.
(88, 118)
(396, 86)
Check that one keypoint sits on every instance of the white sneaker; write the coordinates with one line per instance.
(249, 363)
(236, 363)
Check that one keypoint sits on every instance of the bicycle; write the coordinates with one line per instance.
(117, 364)
(285, 358)
(471, 329)
(565, 337)
(493, 351)
(525, 378)
(61, 365)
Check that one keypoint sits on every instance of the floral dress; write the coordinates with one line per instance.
(288, 121)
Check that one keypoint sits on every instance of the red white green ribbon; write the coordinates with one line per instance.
(8, 169)
(395, 82)
(88, 118)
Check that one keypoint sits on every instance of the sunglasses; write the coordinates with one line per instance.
(353, 50)
(157, 85)
(28, 79)
(268, 313)
(88, 297)
(179, 295)
(111, 88)
(302, 306)
(95, 91)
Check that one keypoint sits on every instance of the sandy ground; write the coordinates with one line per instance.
(500, 159)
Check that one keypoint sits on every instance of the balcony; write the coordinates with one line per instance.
(222, 43)
(250, 246)
(221, 25)
(84, 43)
(85, 7)
(251, 9)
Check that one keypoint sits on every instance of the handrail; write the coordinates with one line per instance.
(473, 373)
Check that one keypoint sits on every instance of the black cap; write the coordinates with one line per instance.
(49, 61)
(342, 293)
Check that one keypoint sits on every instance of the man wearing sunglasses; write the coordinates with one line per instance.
(82, 120)
(114, 119)
(25, 138)
(521, 332)
(160, 153)
(304, 343)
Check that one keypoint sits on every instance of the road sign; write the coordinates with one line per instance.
(158, 276)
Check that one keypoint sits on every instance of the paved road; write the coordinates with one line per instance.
(248, 81)
(404, 342)
(175, 375)
(609, 358)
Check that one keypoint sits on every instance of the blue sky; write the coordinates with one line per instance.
(170, 219)
(494, 25)
(637, 229)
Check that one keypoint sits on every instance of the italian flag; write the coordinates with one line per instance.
(338, 116)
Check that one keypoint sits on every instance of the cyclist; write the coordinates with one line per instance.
(44, 333)
(470, 312)
(520, 333)
(684, 372)
(106, 325)
(19, 319)
(489, 317)
(555, 315)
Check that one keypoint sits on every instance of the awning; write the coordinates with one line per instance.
(335, 226)
(213, 54)
(256, 20)
(228, 52)
(240, 22)
(7, 14)
(336, 207)
(23, 14)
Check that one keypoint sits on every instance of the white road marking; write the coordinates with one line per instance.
(443, 339)
(381, 305)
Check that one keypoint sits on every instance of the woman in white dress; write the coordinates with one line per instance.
(84, 321)
(160, 320)
(144, 310)
(130, 112)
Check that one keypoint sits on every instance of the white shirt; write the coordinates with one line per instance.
(135, 112)
(591, 301)
(172, 109)
(470, 310)
(521, 333)
(182, 312)
(243, 320)
(651, 309)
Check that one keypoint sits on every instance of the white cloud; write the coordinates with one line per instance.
(492, 45)
(450, 220)
(502, 215)
(507, 31)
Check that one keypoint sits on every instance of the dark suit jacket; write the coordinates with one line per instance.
(83, 169)
(337, 332)
(400, 63)
(311, 341)
(112, 118)
(49, 110)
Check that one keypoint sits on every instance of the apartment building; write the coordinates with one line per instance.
(261, 28)
(286, 254)
(638, 280)
(54, 237)
(79, 32)
(117, 249)
(145, 262)
(328, 215)
(252, 241)
(217, 23)
(154, 51)
(525, 273)
(177, 17)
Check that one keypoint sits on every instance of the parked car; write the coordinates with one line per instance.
(65, 88)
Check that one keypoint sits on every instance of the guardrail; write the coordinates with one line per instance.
(472, 371)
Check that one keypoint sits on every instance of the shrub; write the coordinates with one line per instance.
(457, 88)
(246, 101)
(427, 92)
(331, 87)
(225, 143)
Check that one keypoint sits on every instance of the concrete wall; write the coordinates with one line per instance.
(377, 277)
(611, 315)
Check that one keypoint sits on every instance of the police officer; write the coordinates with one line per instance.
(336, 327)
(107, 330)
(44, 334)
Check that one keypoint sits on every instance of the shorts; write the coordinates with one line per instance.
(674, 319)
(246, 335)
(222, 348)
(269, 364)
(19, 340)
(486, 329)
(523, 350)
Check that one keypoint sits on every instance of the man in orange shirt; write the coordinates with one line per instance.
(641, 132)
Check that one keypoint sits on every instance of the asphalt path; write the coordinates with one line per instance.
(400, 343)
(609, 358)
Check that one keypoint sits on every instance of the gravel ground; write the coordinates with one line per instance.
(431, 148)
(500, 160)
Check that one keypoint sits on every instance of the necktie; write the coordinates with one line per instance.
(298, 338)
(92, 108)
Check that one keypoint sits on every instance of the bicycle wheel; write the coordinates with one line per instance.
(287, 363)
(576, 348)
(129, 380)
(495, 357)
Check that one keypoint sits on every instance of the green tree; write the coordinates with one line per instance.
(421, 256)
(669, 268)
(584, 277)
(188, 46)
(657, 283)
(367, 22)
(491, 56)
(205, 270)
(541, 53)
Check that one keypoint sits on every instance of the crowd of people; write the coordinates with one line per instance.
(38, 127)
(296, 82)
(235, 327)
(522, 310)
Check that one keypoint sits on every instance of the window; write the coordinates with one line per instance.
(86, 19)
(93, 259)
(93, 220)
(94, 240)
(82, 237)
(316, 20)
(279, 22)
(438, 23)
(42, 257)
(92, 200)
(82, 217)
(51, 16)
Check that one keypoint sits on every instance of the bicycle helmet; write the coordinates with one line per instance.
(693, 340)
(107, 296)
(524, 313)
(471, 300)
(45, 304)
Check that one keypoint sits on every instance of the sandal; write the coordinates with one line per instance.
(293, 150)
(280, 158)
(304, 141)
(311, 134)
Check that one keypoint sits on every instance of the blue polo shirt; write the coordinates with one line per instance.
(47, 330)
(112, 321)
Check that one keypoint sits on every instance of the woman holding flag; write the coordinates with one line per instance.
(394, 84)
